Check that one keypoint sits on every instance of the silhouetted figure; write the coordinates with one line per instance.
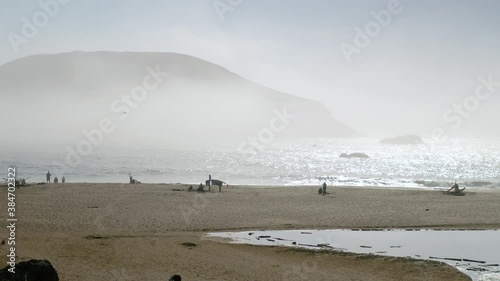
(456, 189)
(63, 179)
(132, 180)
(56, 180)
(190, 188)
(208, 183)
(48, 177)
(324, 188)
(201, 188)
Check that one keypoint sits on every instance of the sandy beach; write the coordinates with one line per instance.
(150, 231)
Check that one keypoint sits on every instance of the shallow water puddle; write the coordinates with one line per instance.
(474, 252)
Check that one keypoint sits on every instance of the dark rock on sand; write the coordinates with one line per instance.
(354, 155)
(408, 139)
(175, 278)
(32, 270)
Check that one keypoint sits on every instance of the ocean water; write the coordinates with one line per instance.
(473, 162)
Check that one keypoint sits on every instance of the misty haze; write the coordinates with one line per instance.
(160, 140)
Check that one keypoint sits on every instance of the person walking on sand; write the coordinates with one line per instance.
(324, 188)
(63, 179)
(48, 177)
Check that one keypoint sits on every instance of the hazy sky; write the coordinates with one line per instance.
(426, 59)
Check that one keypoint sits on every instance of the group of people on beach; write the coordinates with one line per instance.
(201, 188)
(322, 190)
(56, 180)
(208, 183)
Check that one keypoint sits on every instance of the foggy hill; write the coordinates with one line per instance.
(56, 97)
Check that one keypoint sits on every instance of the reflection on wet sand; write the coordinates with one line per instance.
(475, 252)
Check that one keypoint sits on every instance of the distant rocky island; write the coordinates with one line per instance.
(354, 155)
(407, 139)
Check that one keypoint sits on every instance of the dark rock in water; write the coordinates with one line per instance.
(175, 278)
(408, 139)
(354, 155)
(32, 270)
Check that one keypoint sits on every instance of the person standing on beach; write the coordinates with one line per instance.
(63, 179)
(48, 177)
(324, 188)
(455, 187)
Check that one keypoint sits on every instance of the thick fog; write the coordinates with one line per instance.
(149, 100)
(355, 68)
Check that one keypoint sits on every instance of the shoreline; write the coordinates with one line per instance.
(259, 186)
(362, 207)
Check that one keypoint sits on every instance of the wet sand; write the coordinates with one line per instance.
(137, 232)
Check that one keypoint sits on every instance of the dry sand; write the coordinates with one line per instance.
(149, 232)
